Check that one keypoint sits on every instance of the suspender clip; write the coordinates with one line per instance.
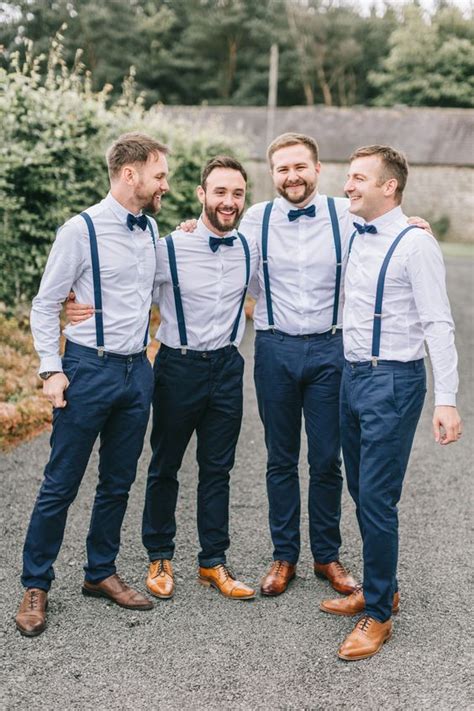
(184, 351)
(374, 362)
(100, 351)
(377, 315)
(334, 329)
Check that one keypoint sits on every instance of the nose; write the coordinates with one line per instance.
(348, 187)
(164, 185)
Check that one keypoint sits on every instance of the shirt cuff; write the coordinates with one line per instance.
(51, 364)
(447, 399)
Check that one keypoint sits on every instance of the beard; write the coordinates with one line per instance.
(214, 219)
(309, 189)
(150, 202)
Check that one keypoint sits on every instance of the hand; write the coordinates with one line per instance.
(54, 388)
(187, 225)
(421, 223)
(447, 424)
(77, 312)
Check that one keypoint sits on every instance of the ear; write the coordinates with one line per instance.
(201, 194)
(390, 187)
(318, 167)
(129, 174)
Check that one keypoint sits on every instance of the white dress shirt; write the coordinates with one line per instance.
(127, 269)
(211, 285)
(415, 304)
(301, 265)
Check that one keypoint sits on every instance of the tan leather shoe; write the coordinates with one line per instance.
(278, 578)
(160, 580)
(353, 604)
(119, 592)
(222, 578)
(341, 580)
(365, 640)
(31, 617)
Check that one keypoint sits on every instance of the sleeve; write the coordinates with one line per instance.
(251, 230)
(65, 264)
(162, 269)
(427, 274)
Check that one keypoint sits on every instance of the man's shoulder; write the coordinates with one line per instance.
(254, 214)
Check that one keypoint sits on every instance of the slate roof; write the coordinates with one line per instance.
(428, 136)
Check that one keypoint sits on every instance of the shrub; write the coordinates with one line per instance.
(53, 134)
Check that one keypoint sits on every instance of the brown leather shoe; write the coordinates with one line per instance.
(222, 578)
(278, 578)
(31, 617)
(341, 580)
(160, 580)
(119, 592)
(353, 604)
(366, 639)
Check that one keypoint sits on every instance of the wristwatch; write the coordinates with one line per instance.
(48, 373)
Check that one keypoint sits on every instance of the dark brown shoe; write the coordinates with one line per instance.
(31, 617)
(119, 592)
(278, 577)
(341, 580)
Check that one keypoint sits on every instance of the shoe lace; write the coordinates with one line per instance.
(227, 571)
(364, 623)
(33, 599)
(162, 567)
(340, 568)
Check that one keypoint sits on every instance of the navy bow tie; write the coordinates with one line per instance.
(365, 228)
(215, 242)
(141, 221)
(308, 211)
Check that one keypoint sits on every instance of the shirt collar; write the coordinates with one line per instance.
(286, 205)
(205, 232)
(119, 210)
(387, 218)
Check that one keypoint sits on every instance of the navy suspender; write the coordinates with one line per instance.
(338, 249)
(99, 322)
(233, 335)
(183, 339)
(147, 332)
(266, 276)
(379, 295)
(351, 241)
(337, 246)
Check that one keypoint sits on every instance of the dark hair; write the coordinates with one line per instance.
(221, 162)
(394, 165)
(293, 139)
(132, 148)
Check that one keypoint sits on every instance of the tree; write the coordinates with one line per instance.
(431, 61)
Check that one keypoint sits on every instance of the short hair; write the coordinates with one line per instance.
(394, 164)
(221, 162)
(293, 139)
(132, 148)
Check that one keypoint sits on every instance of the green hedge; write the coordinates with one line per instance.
(53, 135)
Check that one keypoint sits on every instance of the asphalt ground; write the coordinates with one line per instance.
(200, 650)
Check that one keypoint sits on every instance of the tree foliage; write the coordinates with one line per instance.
(436, 69)
(217, 51)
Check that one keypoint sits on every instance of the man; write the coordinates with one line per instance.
(395, 299)
(201, 283)
(303, 240)
(103, 384)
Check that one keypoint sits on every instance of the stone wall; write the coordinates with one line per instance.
(444, 195)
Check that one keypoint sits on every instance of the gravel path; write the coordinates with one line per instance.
(200, 650)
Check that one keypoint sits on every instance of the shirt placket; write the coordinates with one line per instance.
(140, 272)
(217, 321)
(303, 275)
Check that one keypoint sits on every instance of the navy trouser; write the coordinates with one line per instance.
(198, 392)
(380, 409)
(108, 396)
(295, 375)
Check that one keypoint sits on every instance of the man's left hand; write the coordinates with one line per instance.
(447, 424)
(421, 223)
